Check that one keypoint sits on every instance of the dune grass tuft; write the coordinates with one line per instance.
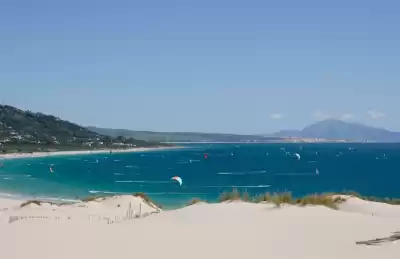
(31, 202)
(234, 195)
(276, 198)
(147, 200)
(320, 199)
(195, 201)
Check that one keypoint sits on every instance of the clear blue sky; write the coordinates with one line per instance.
(210, 65)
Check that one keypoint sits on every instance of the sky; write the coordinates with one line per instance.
(230, 66)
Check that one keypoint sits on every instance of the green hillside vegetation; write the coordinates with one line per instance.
(26, 131)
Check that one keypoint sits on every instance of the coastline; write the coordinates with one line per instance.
(83, 152)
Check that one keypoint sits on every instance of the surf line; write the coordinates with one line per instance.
(155, 182)
(238, 186)
(242, 173)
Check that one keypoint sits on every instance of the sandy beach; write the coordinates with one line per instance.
(128, 227)
(81, 152)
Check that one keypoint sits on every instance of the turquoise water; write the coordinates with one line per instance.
(371, 169)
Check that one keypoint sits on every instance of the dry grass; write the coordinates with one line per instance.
(276, 198)
(320, 199)
(195, 201)
(31, 202)
(279, 199)
(234, 195)
(147, 200)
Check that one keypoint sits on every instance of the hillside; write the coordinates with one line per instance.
(29, 131)
(340, 130)
(181, 136)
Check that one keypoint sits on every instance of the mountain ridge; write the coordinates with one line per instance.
(181, 136)
(330, 129)
(334, 129)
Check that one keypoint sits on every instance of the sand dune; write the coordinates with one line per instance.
(354, 204)
(226, 230)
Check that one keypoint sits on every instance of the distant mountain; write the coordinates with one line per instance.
(340, 130)
(288, 133)
(181, 136)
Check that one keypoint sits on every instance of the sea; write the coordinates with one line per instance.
(207, 170)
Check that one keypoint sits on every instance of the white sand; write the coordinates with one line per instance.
(234, 230)
(80, 152)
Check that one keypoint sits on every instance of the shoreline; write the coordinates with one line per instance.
(83, 152)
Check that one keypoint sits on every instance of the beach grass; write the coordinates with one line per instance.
(195, 201)
(37, 202)
(147, 200)
(330, 200)
(279, 199)
(326, 200)
(234, 195)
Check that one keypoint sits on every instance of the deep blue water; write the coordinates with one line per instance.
(371, 169)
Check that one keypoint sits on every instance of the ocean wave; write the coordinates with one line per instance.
(15, 175)
(238, 186)
(177, 193)
(150, 182)
(7, 195)
(242, 173)
(117, 174)
(295, 174)
(131, 166)
(193, 161)
(108, 192)
(148, 193)
(43, 198)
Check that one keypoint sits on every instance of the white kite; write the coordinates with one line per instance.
(178, 179)
(297, 155)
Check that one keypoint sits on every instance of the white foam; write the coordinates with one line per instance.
(242, 173)
(151, 182)
(238, 186)
(131, 166)
(296, 174)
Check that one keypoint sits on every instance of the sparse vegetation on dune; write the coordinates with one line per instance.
(30, 202)
(234, 195)
(195, 201)
(330, 200)
(147, 200)
(322, 199)
(279, 199)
